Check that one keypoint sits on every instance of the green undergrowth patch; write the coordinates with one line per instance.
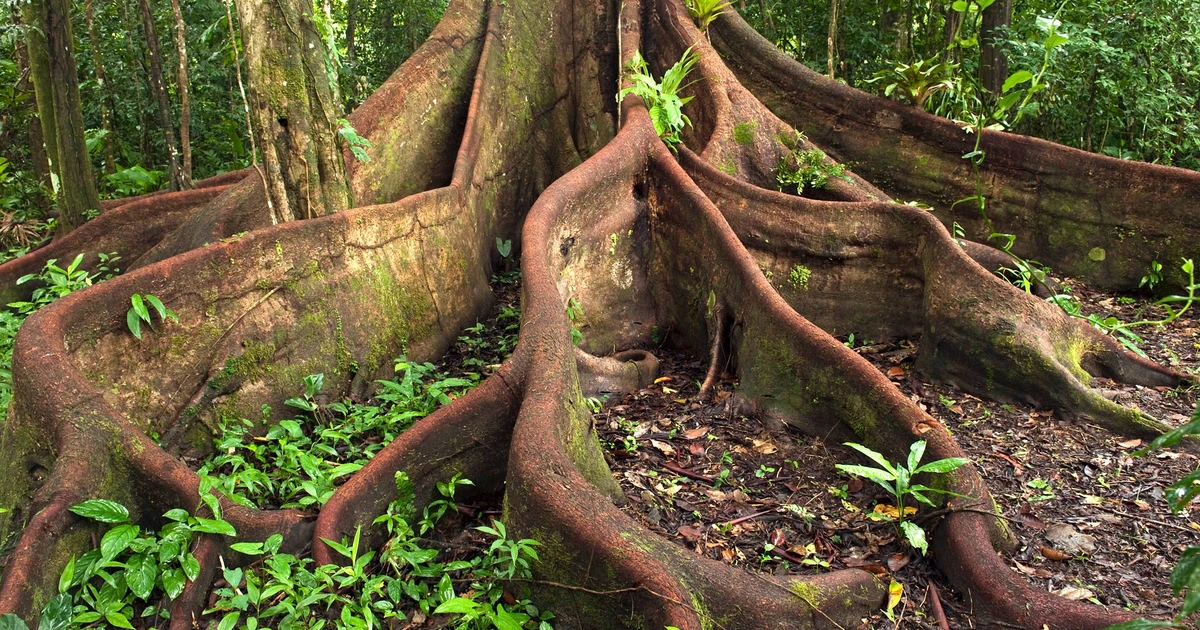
(54, 282)
(419, 575)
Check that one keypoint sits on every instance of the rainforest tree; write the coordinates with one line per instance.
(504, 126)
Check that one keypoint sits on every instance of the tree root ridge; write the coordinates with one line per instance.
(1075, 211)
(634, 241)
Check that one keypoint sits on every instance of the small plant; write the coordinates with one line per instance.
(357, 144)
(134, 180)
(662, 99)
(705, 11)
(1153, 275)
(897, 480)
(917, 81)
(806, 168)
(504, 247)
(574, 314)
(138, 313)
(798, 277)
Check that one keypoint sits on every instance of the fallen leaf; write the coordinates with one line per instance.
(764, 447)
(663, 379)
(854, 485)
(696, 448)
(715, 495)
(722, 395)
(895, 592)
(895, 372)
(690, 534)
(1074, 593)
(1130, 443)
(668, 390)
(897, 561)
(727, 555)
(663, 447)
(1141, 505)
(1051, 553)
(778, 539)
(694, 434)
(890, 510)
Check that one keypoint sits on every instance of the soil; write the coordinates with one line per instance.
(770, 499)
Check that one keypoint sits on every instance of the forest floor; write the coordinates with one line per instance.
(1090, 518)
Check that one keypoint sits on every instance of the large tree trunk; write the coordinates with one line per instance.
(76, 182)
(504, 125)
(178, 180)
(110, 160)
(185, 101)
(37, 144)
(993, 63)
(38, 50)
(293, 109)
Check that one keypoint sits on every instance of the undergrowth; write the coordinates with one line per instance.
(296, 463)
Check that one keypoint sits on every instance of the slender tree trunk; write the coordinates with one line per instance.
(34, 14)
(351, 26)
(136, 58)
(292, 109)
(159, 87)
(77, 183)
(37, 146)
(895, 23)
(185, 102)
(110, 160)
(831, 41)
(950, 33)
(993, 64)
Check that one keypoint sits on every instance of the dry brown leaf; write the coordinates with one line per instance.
(1130, 443)
(695, 434)
(1051, 553)
(663, 379)
(897, 561)
(727, 555)
(778, 539)
(663, 447)
(764, 447)
(690, 534)
(895, 372)
(696, 448)
(1074, 593)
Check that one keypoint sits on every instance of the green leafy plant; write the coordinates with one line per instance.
(358, 145)
(798, 277)
(662, 99)
(139, 313)
(705, 11)
(1153, 275)
(800, 168)
(897, 479)
(917, 81)
(134, 180)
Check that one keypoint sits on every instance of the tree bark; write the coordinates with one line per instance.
(993, 63)
(38, 50)
(158, 85)
(831, 41)
(184, 87)
(77, 185)
(110, 160)
(37, 145)
(293, 110)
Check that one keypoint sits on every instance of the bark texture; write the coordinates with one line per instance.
(158, 85)
(504, 125)
(293, 110)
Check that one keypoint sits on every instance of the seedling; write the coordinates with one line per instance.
(662, 99)
(138, 313)
(897, 480)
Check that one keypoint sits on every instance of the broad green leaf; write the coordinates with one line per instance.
(68, 576)
(118, 620)
(191, 566)
(173, 582)
(134, 323)
(1187, 570)
(229, 621)
(881, 477)
(1055, 40)
(876, 457)
(56, 614)
(943, 465)
(102, 510)
(505, 620)
(248, 548)
(1015, 79)
(1181, 493)
(214, 526)
(9, 621)
(117, 540)
(178, 514)
(141, 572)
(915, 536)
(139, 307)
(915, 453)
(460, 605)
